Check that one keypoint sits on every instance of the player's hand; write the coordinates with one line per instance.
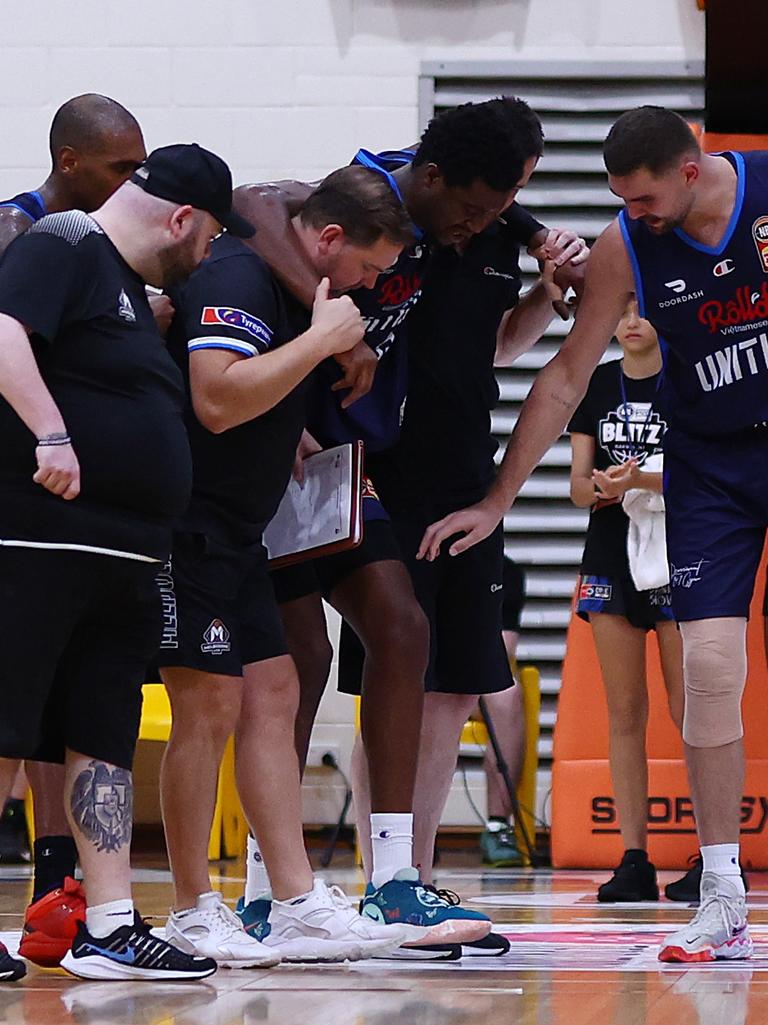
(307, 447)
(58, 470)
(163, 312)
(337, 320)
(476, 523)
(563, 246)
(359, 366)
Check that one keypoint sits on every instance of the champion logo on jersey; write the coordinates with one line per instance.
(238, 319)
(723, 268)
(215, 638)
(125, 308)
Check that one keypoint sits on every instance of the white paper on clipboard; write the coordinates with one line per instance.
(322, 511)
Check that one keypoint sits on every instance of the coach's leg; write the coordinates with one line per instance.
(205, 709)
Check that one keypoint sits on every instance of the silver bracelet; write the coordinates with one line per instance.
(62, 438)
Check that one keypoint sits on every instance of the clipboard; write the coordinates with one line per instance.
(325, 514)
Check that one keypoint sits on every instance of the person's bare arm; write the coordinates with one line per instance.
(522, 326)
(228, 389)
(556, 392)
(269, 207)
(583, 491)
(13, 222)
(26, 393)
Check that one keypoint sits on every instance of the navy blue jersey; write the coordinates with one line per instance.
(375, 418)
(709, 305)
(30, 203)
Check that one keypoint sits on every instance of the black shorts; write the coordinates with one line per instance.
(618, 596)
(219, 607)
(78, 632)
(514, 595)
(462, 597)
(321, 576)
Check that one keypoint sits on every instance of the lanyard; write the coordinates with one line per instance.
(370, 161)
(635, 450)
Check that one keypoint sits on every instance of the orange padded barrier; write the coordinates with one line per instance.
(584, 827)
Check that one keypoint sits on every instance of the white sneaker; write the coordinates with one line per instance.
(718, 930)
(321, 926)
(213, 930)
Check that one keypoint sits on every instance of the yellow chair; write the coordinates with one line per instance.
(476, 733)
(229, 828)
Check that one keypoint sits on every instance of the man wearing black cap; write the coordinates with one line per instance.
(96, 466)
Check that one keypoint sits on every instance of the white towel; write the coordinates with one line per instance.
(646, 537)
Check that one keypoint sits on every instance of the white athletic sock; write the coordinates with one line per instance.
(722, 859)
(392, 842)
(103, 919)
(256, 877)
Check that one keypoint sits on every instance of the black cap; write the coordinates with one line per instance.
(188, 174)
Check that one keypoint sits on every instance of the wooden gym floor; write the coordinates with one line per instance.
(572, 962)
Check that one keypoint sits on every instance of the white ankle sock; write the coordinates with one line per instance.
(103, 919)
(392, 842)
(722, 859)
(256, 876)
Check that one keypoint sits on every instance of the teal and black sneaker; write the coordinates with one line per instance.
(499, 846)
(255, 916)
(435, 916)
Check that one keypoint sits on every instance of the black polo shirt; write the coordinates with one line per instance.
(100, 355)
(233, 302)
(446, 449)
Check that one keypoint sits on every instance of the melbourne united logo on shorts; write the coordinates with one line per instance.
(632, 429)
(215, 639)
(238, 319)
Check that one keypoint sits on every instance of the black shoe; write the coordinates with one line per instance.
(11, 968)
(132, 952)
(633, 880)
(492, 945)
(686, 890)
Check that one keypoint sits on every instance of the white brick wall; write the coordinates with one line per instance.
(293, 86)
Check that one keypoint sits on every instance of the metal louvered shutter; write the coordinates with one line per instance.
(577, 103)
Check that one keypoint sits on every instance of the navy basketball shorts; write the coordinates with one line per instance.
(219, 608)
(462, 597)
(716, 496)
(321, 576)
(616, 595)
(78, 629)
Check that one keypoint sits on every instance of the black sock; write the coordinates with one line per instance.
(636, 856)
(14, 807)
(55, 857)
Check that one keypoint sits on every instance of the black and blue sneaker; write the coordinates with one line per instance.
(132, 952)
(492, 945)
(435, 916)
(11, 968)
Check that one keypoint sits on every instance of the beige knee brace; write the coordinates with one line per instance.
(715, 671)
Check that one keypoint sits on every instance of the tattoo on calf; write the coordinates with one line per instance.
(102, 805)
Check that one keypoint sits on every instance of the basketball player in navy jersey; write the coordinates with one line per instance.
(692, 243)
(95, 145)
(467, 169)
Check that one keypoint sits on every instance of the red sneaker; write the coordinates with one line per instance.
(50, 924)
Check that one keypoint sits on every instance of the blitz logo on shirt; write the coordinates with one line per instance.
(631, 430)
(238, 319)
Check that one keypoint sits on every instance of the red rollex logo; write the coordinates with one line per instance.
(745, 308)
(398, 289)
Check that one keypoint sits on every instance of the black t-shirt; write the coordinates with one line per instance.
(624, 422)
(105, 364)
(445, 453)
(233, 302)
